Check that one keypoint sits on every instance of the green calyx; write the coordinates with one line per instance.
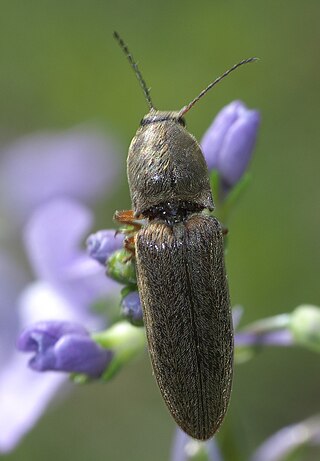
(121, 267)
(125, 341)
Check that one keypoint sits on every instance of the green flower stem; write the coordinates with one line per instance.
(225, 205)
(125, 340)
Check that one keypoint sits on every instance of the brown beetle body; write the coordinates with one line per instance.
(181, 274)
(180, 266)
(184, 295)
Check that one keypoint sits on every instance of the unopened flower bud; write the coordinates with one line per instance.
(120, 267)
(305, 326)
(102, 244)
(229, 142)
(131, 308)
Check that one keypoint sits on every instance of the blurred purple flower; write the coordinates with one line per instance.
(270, 338)
(284, 442)
(79, 164)
(67, 285)
(270, 331)
(185, 448)
(40, 186)
(12, 281)
(229, 142)
(63, 346)
(102, 244)
(52, 240)
(44, 182)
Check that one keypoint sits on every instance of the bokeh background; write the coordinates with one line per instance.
(60, 67)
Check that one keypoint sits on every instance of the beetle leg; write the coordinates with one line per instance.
(127, 217)
(129, 245)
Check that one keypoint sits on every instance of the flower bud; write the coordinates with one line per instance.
(63, 346)
(131, 308)
(121, 267)
(305, 326)
(102, 244)
(229, 142)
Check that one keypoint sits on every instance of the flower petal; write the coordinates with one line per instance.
(53, 234)
(103, 243)
(19, 414)
(24, 395)
(228, 143)
(269, 338)
(52, 239)
(131, 308)
(185, 448)
(213, 138)
(80, 354)
(42, 335)
(79, 163)
(12, 279)
(63, 346)
(178, 451)
(238, 146)
(284, 442)
(40, 302)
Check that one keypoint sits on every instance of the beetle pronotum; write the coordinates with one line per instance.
(180, 266)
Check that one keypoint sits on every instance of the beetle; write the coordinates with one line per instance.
(179, 255)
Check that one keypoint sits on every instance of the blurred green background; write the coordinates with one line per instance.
(59, 66)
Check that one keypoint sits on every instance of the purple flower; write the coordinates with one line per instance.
(131, 308)
(63, 346)
(40, 190)
(284, 442)
(68, 283)
(52, 240)
(79, 164)
(271, 331)
(12, 281)
(268, 338)
(185, 448)
(301, 327)
(102, 244)
(229, 142)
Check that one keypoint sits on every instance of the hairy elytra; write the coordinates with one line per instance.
(181, 275)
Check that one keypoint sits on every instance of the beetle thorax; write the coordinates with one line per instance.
(165, 165)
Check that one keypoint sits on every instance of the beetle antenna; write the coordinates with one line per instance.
(135, 67)
(186, 108)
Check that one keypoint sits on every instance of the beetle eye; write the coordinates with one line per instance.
(182, 121)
